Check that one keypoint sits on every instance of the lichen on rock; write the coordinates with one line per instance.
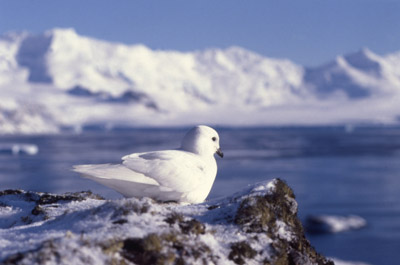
(267, 213)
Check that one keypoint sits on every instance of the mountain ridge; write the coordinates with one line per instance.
(65, 73)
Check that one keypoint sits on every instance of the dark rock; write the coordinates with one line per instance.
(241, 251)
(120, 222)
(192, 227)
(144, 250)
(10, 192)
(48, 198)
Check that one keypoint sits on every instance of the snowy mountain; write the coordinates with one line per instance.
(60, 79)
(359, 75)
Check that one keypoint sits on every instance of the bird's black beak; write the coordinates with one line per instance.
(219, 152)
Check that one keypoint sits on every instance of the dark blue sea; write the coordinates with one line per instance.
(332, 170)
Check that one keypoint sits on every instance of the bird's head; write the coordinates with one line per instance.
(202, 140)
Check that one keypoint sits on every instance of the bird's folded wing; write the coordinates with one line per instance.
(127, 182)
(179, 170)
(112, 171)
(139, 190)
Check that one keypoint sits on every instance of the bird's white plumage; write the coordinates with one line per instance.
(184, 175)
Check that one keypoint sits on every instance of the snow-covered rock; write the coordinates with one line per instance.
(256, 226)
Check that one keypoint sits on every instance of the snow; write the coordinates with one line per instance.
(133, 85)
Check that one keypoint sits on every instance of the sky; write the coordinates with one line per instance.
(308, 32)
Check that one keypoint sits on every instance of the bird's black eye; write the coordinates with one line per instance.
(214, 139)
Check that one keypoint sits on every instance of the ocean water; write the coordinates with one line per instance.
(332, 170)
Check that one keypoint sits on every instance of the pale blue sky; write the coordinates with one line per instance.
(309, 32)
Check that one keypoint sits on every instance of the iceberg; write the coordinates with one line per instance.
(333, 224)
(17, 149)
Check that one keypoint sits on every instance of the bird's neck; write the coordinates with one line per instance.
(198, 150)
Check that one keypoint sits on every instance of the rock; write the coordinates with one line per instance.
(256, 226)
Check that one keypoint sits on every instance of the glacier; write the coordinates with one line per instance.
(61, 80)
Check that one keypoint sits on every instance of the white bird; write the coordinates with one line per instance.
(184, 175)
